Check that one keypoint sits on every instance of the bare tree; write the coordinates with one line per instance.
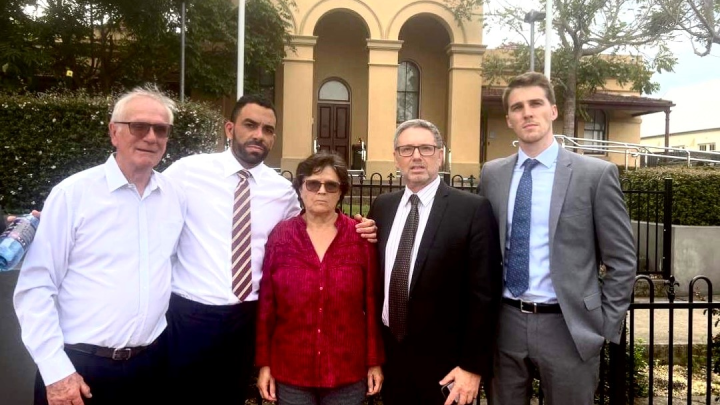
(699, 18)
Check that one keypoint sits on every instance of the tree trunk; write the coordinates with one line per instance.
(570, 100)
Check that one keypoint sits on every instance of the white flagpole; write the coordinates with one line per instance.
(241, 48)
(548, 36)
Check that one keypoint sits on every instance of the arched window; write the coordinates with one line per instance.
(595, 129)
(408, 92)
(334, 90)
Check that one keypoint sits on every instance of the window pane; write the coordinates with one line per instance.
(334, 90)
(413, 78)
(595, 129)
(400, 107)
(402, 76)
(412, 103)
(408, 96)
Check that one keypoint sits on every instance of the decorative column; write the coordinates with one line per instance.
(297, 106)
(464, 101)
(382, 105)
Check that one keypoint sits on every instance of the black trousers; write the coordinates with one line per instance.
(211, 351)
(139, 380)
(412, 374)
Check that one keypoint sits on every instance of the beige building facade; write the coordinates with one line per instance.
(353, 62)
(357, 68)
(703, 140)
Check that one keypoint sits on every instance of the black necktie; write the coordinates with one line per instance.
(400, 273)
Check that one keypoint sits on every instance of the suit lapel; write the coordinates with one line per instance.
(505, 173)
(561, 182)
(436, 214)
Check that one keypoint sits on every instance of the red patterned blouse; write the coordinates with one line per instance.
(317, 321)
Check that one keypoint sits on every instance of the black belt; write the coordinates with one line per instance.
(533, 307)
(123, 353)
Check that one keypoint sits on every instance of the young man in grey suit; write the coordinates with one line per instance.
(561, 215)
(439, 255)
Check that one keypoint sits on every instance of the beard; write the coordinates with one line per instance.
(250, 158)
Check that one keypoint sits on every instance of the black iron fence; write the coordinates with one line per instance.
(650, 208)
(656, 365)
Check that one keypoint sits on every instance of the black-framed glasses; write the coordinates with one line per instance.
(408, 150)
(140, 129)
(314, 186)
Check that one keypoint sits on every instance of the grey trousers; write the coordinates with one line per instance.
(351, 394)
(540, 344)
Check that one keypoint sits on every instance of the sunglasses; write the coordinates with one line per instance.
(140, 129)
(314, 186)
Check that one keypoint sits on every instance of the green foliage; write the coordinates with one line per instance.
(637, 380)
(696, 192)
(46, 139)
(587, 29)
(593, 71)
(101, 46)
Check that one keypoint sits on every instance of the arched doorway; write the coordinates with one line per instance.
(333, 130)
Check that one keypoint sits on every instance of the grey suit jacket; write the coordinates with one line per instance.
(589, 225)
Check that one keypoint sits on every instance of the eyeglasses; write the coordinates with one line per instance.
(408, 150)
(314, 186)
(140, 129)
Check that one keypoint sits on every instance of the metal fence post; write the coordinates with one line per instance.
(618, 371)
(667, 230)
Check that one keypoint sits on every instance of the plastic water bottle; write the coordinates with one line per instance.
(15, 240)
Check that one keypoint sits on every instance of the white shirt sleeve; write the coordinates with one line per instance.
(42, 272)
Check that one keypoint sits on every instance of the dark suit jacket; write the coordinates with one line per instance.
(456, 283)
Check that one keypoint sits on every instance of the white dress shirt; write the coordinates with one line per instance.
(202, 272)
(426, 196)
(98, 270)
(540, 288)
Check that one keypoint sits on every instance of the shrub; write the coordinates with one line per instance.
(46, 138)
(696, 192)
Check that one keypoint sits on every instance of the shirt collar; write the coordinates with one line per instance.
(547, 157)
(116, 179)
(231, 166)
(426, 194)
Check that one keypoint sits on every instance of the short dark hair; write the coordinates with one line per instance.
(251, 99)
(315, 163)
(529, 79)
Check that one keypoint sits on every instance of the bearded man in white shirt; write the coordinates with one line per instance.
(95, 284)
(211, 324)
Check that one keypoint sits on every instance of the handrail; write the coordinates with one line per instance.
(637, 150)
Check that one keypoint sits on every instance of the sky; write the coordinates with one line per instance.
(690, 86)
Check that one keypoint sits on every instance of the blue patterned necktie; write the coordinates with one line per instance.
(401, 273)
(518, 262)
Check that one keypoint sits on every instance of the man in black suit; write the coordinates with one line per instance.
(439, 255)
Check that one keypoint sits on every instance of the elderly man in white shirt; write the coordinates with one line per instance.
(94, 288)
(211, 320)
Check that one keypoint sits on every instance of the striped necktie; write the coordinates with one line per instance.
(241, 252)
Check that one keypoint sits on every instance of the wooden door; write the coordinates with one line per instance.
(334, 128)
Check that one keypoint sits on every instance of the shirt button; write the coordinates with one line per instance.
(318, 330)
(320, 309)
(321, 288)
(318, 353)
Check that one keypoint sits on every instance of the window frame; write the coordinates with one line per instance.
(596, 127)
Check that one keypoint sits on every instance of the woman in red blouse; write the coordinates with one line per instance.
(318, 338)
